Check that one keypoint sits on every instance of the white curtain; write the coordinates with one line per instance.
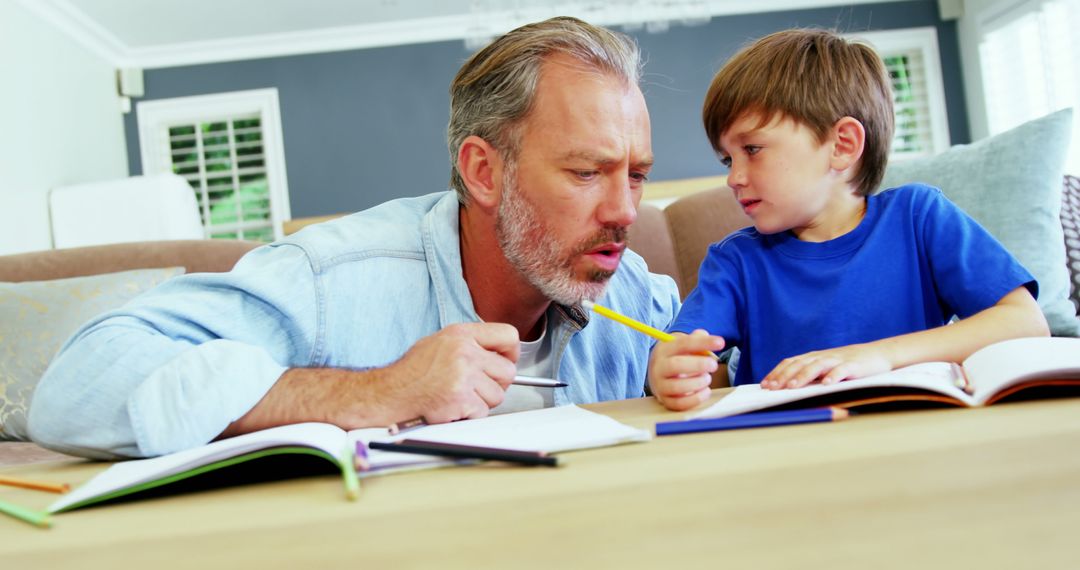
(1030, 54)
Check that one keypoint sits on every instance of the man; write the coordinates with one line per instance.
(421, 307)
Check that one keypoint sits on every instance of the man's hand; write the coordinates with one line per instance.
(680, 371)
(459, 372)
(829, 366)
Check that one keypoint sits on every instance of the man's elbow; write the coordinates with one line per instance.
(60, 423)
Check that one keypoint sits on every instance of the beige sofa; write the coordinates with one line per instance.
(673, 241)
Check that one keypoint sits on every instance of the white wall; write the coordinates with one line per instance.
(60, 123)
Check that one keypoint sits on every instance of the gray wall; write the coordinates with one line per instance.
(365, 126)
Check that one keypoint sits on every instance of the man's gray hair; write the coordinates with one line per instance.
(495, 89)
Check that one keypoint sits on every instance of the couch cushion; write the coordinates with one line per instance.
(697, 221)
(649, 237)
(1011, 184)
(36, 317)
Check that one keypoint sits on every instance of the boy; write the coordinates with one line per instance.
(830, 283)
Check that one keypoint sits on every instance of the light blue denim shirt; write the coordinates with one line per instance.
(172, 368)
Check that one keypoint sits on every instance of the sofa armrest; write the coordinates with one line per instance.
(194, 255)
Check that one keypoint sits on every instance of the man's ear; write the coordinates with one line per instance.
(849, 140)
(480, 166)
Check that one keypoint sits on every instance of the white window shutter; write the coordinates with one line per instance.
(228, 147)
(912, 59)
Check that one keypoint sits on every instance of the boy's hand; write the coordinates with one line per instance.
(680, 371)
(829, 366)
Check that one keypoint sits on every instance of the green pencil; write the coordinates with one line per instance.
(36, 518)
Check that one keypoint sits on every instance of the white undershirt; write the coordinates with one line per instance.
(535, 360)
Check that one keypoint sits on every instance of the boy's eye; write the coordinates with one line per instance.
(726, 161)
(751, 149)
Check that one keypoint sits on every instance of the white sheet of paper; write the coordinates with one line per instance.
(550, 430)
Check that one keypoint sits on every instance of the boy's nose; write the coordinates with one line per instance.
(736, 177)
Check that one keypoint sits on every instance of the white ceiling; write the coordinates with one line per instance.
(163, 33)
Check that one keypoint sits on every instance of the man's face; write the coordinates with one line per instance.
(573, 189)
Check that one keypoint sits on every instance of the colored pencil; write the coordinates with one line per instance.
(757, 419)
(36, 485)
(636, 325)
(466, 451)
(24, 514)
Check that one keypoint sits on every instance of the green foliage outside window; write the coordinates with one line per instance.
(236, 191)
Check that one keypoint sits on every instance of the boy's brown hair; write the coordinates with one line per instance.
(815, 77)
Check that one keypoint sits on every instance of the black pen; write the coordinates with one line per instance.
(466, 451)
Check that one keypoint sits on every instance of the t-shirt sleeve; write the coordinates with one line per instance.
(971, 269)
(715, 304)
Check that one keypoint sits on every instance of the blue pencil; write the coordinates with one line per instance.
(759, 419)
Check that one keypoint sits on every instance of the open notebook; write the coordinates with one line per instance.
(1016, 368)
(549, 430)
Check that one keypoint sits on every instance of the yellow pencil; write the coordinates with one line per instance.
(636, 325)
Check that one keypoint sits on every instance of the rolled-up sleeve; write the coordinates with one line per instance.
(174, 367)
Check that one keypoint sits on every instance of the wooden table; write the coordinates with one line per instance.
(994, 487)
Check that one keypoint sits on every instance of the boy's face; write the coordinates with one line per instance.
(784, 178)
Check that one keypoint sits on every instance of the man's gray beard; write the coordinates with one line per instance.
(531, 249)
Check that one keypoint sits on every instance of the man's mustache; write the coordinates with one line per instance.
(616, 234)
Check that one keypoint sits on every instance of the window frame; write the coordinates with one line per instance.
(889, 43)
(155, 118)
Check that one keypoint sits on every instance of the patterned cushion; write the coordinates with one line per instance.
(36, 317)
(1070, 222)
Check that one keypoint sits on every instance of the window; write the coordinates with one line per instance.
(914, 66)
(228, 147)
(1028, 51)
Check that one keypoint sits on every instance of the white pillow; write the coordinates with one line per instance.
(1011, 184)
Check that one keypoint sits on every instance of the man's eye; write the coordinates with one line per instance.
(639, 177)
(585, 174)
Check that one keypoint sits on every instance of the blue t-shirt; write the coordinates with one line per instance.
(912, 263)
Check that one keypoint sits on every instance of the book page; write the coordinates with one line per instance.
(1010, 362)
(325, 437)
(938, 377)
(550, 430)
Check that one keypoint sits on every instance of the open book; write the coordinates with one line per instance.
(549, 430)
(1025, 367)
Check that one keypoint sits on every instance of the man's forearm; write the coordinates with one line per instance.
(347, 398)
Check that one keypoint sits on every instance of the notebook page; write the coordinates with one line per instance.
(1014, 361)
(124, 474)
(936, 376)
(550, 430)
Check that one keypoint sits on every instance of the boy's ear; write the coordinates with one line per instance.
(849, 137)
(480, 166)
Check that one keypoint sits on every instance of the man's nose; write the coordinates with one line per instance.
(620, 205)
